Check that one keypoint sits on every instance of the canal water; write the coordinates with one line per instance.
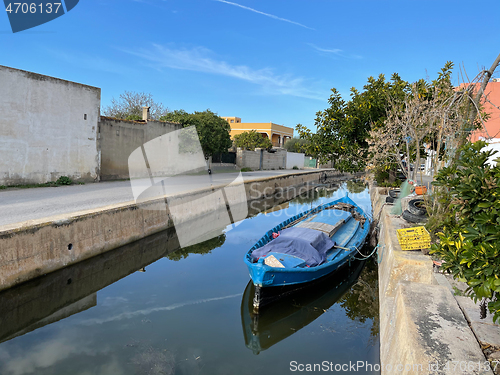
(149, 308)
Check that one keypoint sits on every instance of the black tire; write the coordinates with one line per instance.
(411, 218)
(389, 200)
(394, 193)
(417, 207)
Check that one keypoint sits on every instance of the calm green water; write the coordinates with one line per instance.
(187, 314)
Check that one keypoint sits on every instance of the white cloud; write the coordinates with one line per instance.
(335, 51)
(139, 313)
(201, 59)
(47, 354)
(264, 14)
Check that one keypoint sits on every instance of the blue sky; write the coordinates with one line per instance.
(263, 61)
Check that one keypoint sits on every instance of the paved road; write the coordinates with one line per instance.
(17, 205)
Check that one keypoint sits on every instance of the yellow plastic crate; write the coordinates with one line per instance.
(414, 238)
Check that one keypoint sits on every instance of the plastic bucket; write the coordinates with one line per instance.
(420, 190)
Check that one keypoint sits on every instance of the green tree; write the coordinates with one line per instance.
(129, 106)
(342, 130)
(413, 118)
(296, 144)
(251, 140)
(213, 131)
(470, 241)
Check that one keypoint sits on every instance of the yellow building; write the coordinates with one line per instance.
(278, 134)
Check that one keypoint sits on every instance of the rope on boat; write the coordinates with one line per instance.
(366, 257)
(343, 248)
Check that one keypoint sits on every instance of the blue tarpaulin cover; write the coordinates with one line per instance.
(308, 244)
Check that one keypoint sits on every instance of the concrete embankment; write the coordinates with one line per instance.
(37, 247)
(73, 289)
(422, 329)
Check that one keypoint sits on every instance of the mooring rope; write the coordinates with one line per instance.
(365, 257)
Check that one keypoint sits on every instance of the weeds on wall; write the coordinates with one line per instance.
(61, 181)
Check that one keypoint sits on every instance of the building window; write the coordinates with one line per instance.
(232, 121)
(84, 116)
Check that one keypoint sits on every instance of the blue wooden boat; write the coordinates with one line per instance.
(307, 247)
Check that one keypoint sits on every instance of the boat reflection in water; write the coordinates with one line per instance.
(285, 316)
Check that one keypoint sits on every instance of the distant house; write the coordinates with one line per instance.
(490, 132)
(491, 127)
(278, 134)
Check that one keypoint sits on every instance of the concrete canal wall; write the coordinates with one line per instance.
(422, 329)
(73, 289)
(34, 248)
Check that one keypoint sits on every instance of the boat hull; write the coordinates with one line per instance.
(266, 277)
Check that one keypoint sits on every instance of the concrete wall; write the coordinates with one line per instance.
(294, 159)
(59, 294)
(37, 247)
(421, 325)
(248, 159)
(119, 138)
(330, 164)
(48, 128)
(252, 159)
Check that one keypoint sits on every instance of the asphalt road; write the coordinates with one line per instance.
(18, 205)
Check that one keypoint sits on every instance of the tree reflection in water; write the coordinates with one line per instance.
(355, 186)
(361, 301)
(199, 248)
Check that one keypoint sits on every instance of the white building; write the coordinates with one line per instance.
(48, 128)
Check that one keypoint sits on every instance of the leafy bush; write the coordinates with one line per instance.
(246, 169)
(251, 140)
(64, 180)
(295, 167)
(383, 178)
(296, 145)
(470, 241)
